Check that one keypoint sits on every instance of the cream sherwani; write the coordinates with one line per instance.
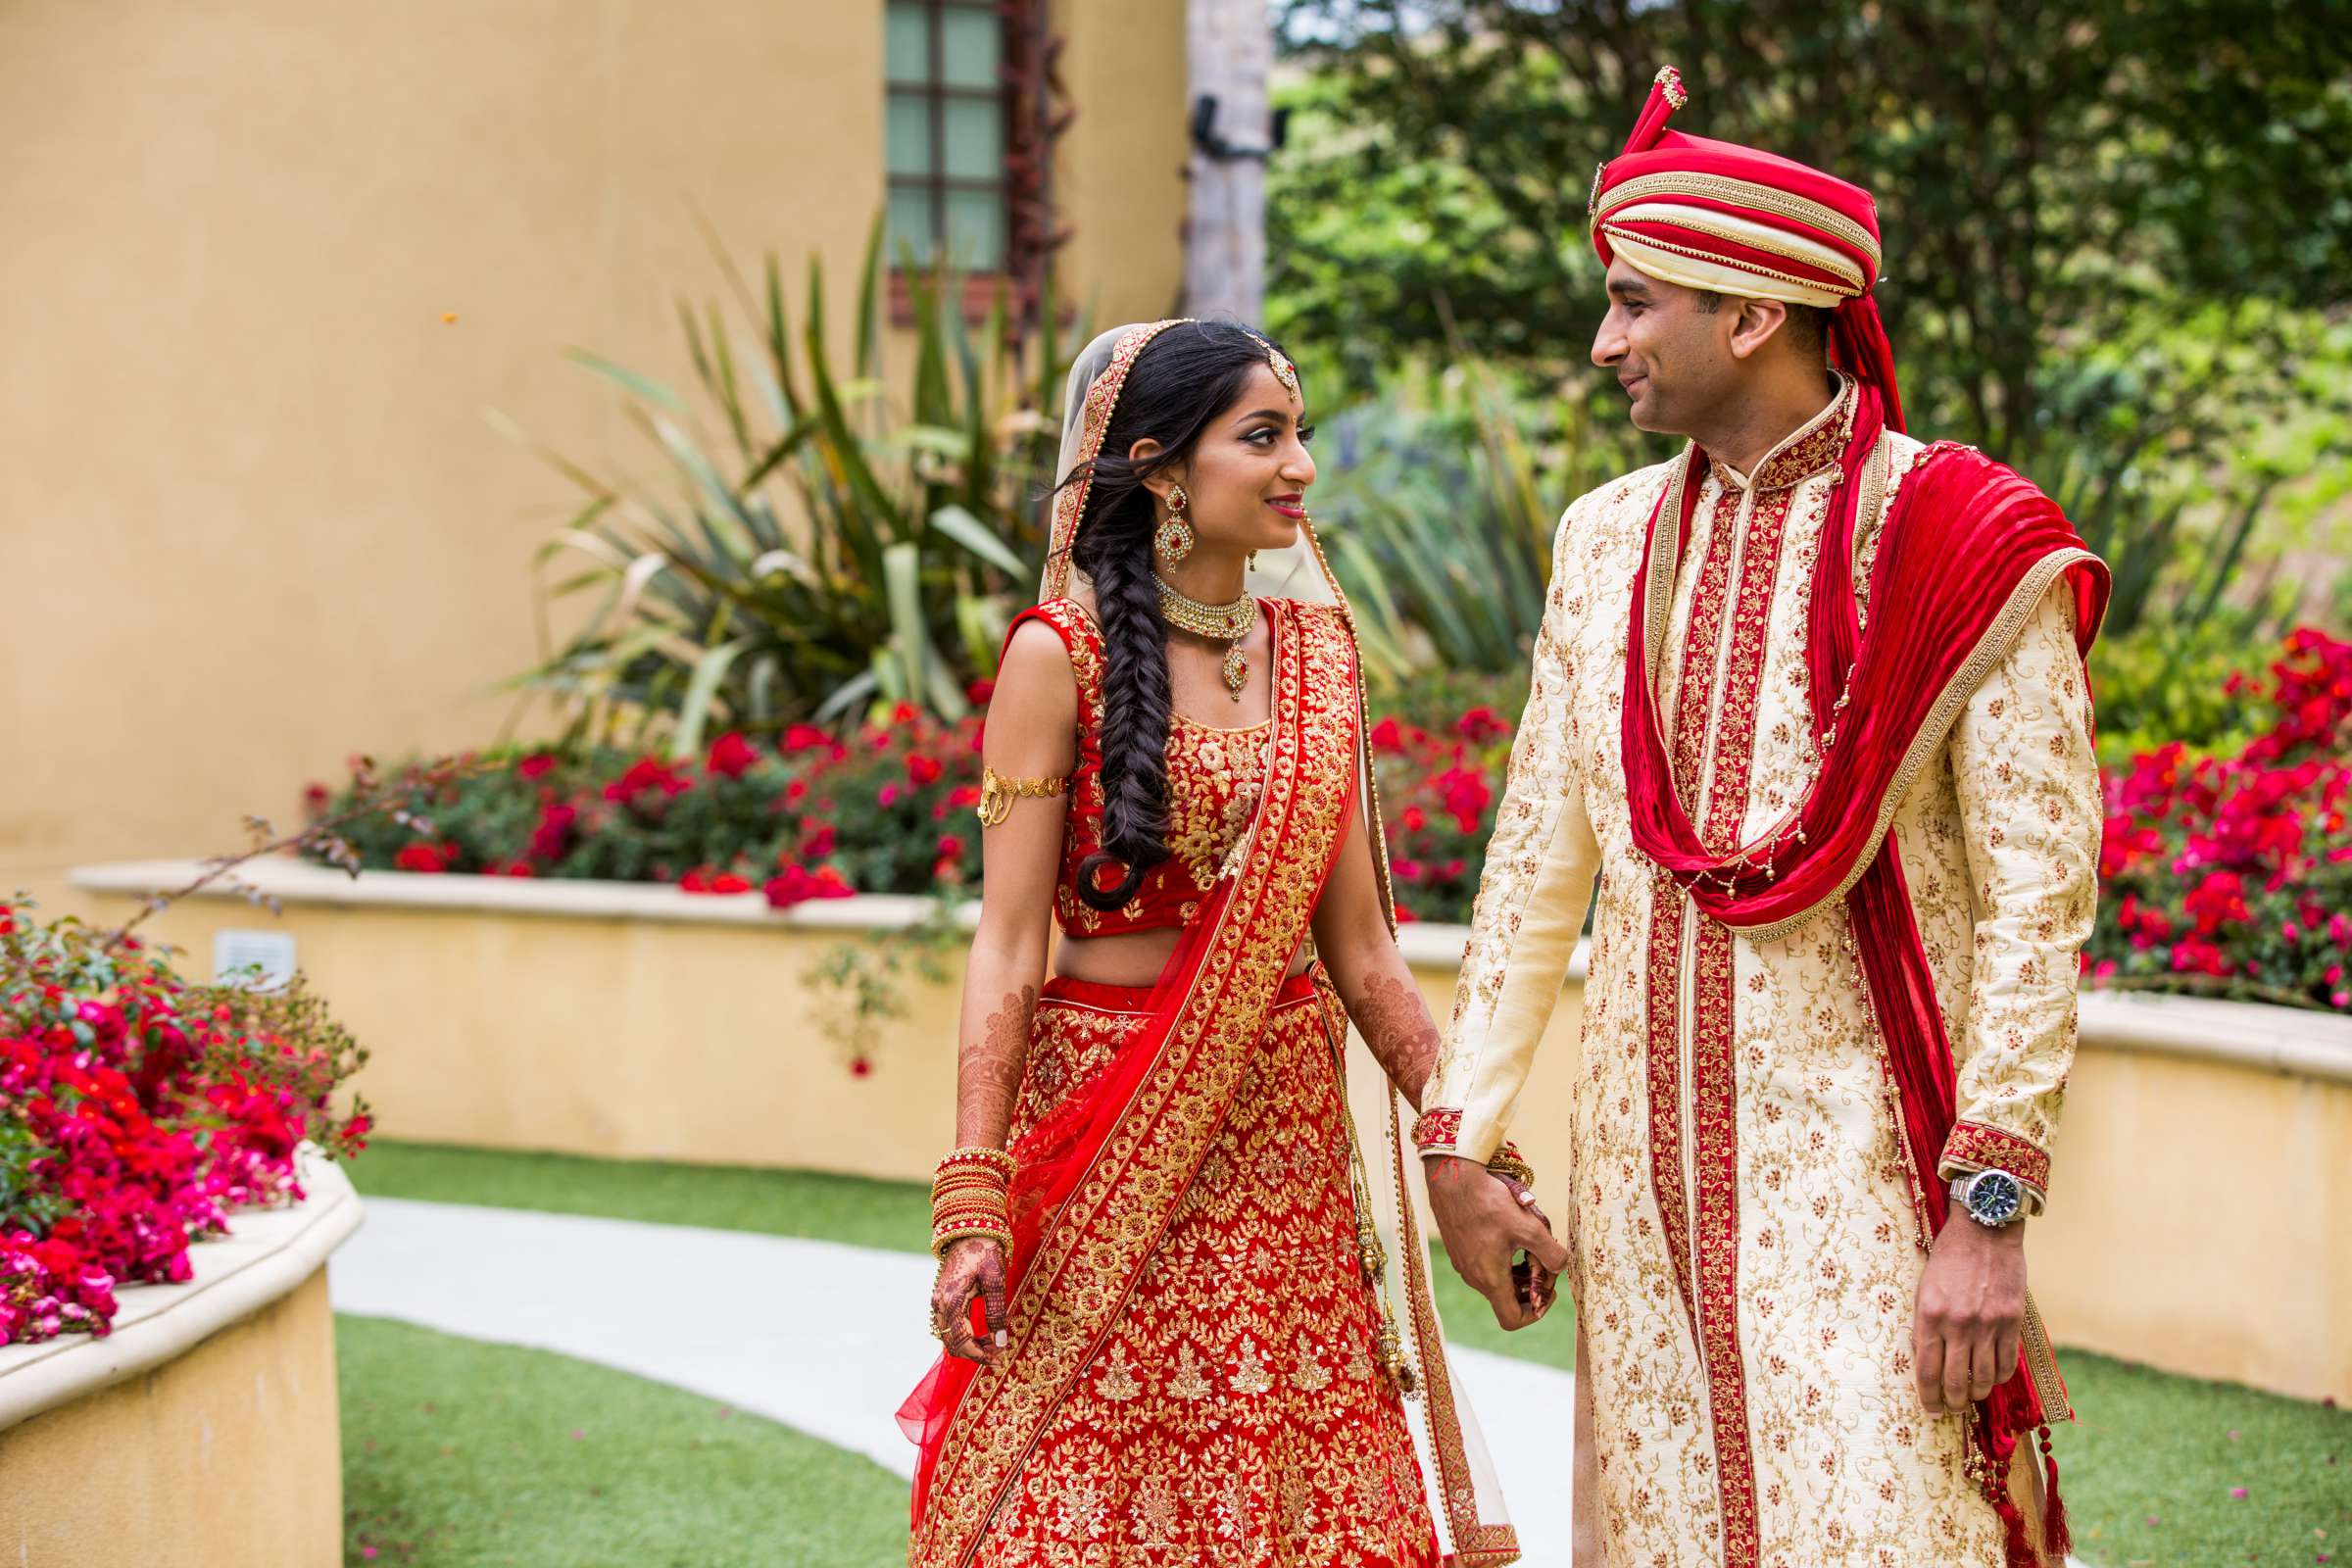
(1746, 1242)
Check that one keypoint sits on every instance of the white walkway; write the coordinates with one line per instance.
(819, 1336)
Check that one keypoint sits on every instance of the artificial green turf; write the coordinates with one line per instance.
(2150, 1463)
(896, 1215)
(1470, 1321)
(2148, 1446)
(459, 1454)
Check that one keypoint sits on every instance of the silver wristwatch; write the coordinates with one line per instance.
(1991, 1197)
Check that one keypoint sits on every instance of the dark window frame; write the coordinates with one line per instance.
(937, 93)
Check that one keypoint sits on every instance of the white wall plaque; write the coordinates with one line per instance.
(235, 953)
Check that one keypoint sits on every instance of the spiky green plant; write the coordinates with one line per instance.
(1441, 501)
(810, 544)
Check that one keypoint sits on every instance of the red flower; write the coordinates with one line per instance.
(818, 843)
(421, 858)
(797, 884)
(1481, 724)
(979, 691)
(1387, 736)
(803, 738)
(551, 840)
(645, 775)
(921, 769)
(731, 755)
(536, 765)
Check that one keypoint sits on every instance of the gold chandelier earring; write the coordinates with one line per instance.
(1174, 538)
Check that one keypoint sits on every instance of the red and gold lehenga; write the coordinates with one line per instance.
(1201, 1365)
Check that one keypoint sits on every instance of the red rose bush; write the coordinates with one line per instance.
(2224, 874)
(2233, 876)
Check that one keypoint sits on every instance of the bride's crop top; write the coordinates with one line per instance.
(1215, 777)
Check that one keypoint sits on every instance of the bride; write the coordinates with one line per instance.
(1185, 1313)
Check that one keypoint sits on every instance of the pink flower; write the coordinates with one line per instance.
(801, 738)
(536, 765)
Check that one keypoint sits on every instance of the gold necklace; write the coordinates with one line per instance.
(1221, 623)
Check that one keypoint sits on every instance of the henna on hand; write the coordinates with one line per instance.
(1395, 1024)
(972, 1266)
(988, 1077)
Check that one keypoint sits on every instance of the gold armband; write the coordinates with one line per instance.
(998, 793)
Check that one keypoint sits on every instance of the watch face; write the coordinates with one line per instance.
(1994, 1197)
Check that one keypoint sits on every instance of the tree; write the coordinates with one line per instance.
(2044, 173)
(1231, 49)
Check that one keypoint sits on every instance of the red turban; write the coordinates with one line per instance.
(1717, 216)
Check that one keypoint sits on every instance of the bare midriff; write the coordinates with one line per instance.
(1131, 958)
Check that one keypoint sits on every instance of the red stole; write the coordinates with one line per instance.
(1965, 555)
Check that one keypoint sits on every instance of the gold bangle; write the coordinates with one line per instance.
(943, 1238)
(998, 793)
(1506, 1161)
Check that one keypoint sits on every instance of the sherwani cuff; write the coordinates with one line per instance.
(1445, 1130)
(1974, 1146)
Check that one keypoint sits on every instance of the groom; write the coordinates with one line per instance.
(1809, 701)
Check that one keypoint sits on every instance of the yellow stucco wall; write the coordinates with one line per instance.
(2200, 1219)
(227, 1456)
(252, 517)
(2198, 1213)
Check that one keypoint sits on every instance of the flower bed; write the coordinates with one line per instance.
(2234, 874)
(2226, 875)
(137, 1111)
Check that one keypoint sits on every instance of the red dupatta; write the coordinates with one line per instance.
(1098, 1181)
(1966, 553)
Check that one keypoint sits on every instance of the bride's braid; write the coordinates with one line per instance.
(1187, 376)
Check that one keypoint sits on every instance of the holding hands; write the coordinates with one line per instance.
(1487, 1219)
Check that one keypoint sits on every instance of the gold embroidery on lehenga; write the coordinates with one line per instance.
(1123, 1257)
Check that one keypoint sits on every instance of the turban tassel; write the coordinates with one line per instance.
(1858, 345)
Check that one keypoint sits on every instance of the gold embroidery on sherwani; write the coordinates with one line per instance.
(1845, 1467)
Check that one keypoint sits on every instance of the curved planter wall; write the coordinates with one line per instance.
(2201, 1206)
(203, 1430)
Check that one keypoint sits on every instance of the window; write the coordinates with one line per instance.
(949, 112)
